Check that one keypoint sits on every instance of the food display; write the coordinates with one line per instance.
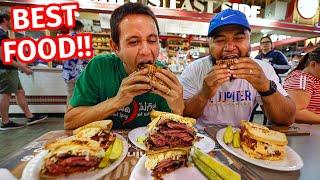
(262, 143)
(92, 146)
(169, 141)
(101, 42)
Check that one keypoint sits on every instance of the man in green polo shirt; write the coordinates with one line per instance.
(112, 88)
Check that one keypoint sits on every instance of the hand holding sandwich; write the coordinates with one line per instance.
(214, 79)
(171, 91)
(135, 84)
(246, 68)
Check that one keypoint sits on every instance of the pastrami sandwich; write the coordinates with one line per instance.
(169, 141)
(98, 131)
(262, 143)
(152, 69)
(71, 155)
(166, 161)
(170, 131)
(228, 62)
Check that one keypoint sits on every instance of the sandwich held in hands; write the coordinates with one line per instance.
(169, 141)
(152, 69)
(228, 62)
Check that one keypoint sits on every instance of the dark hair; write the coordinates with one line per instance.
(4, 16)
(125, 10)
(307, 58)
(266, 37)
(79, 25)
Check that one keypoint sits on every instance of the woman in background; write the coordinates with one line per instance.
(72, 68)
(303, 86)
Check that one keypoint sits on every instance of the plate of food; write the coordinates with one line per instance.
(260, 146)
(92, 152)
(141, 172)
(138, 135)
(172, 157)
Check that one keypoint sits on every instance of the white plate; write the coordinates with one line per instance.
(206, 144)
(291, 162)
(32, 169)
(135, 133)
(140, 172)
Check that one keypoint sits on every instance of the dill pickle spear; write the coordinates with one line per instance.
(207, 171)
(116, 150)
(236, 139)
(223, 171)
(228, 135)
(105, 161)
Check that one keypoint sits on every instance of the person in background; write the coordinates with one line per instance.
(303, 86)
(72, 68)
(10, 83)
(276, 58)
(213, 97)
(114, 87)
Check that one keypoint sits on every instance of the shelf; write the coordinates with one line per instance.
(101, 48)
(176, 45)
(96, 41)
(101, 34)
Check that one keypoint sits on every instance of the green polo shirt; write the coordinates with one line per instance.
(101, 80)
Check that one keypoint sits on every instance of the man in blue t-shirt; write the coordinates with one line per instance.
(276, 58)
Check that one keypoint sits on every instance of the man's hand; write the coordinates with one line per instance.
(246, 68)
(173, 94)
(135, 84)
(214, 79)
(26, 70)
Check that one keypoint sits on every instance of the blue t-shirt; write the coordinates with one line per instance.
(277, 59)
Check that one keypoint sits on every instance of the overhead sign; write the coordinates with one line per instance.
(249, 11)
(193, 5)
(189, 5)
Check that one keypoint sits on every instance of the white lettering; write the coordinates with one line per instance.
(198, 5)
(155, 3)
(250, 12)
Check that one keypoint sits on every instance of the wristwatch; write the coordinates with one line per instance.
(272, 89)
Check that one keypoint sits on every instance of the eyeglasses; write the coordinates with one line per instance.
(265, 42)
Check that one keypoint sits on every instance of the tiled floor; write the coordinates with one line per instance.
(13, 140)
